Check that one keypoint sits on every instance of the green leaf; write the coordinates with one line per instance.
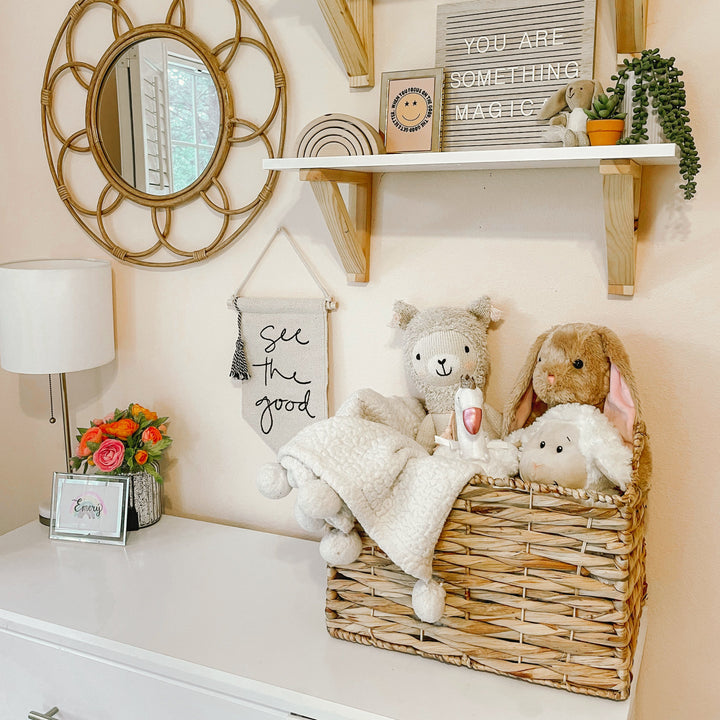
(158, 447)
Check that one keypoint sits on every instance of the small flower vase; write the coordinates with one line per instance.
(144, 501)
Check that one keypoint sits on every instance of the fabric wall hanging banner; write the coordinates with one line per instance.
(281, 357)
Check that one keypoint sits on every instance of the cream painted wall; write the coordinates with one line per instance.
(531, 240)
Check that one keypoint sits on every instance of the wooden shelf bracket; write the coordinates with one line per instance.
(349, 227)
(630, 25)
(621, 194)
(351, 26)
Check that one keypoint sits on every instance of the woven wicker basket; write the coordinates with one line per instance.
(543, 583)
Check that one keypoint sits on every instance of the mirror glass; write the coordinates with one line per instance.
(158, 116)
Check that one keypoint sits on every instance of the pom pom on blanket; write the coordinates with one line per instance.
(339, 548)
(428, 600)
(317, 499)
(272, 481)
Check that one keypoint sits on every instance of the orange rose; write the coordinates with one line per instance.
(140, 410)
(141, 457)
(151, 434)
(94, 434)
(122, 429)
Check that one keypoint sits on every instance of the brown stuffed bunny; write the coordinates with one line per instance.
(575, 363)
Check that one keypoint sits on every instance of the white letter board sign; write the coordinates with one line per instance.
(502, 60)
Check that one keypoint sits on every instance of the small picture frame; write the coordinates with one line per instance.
(89, 508)
(410, 110)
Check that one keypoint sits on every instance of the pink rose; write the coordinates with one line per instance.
(109, 455)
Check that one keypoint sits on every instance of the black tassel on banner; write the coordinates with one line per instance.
(239, 368)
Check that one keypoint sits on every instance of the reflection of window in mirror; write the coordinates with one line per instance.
(194, 118)
(159, 116)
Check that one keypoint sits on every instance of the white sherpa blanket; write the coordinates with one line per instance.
(399, 494)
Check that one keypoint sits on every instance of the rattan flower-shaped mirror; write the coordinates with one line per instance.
(162, 166)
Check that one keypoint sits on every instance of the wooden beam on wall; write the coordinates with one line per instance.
(351, 26)
(349, 226)
(630, 23)
(621, 194)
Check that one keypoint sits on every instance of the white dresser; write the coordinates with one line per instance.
(197, 621)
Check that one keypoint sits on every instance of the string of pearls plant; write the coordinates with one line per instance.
(657, 84)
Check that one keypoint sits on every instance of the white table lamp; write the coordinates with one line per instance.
(56, 316)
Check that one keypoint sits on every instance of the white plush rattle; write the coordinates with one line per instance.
(495, 458)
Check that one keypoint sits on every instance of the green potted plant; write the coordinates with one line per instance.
(606, 121)
(658, 91)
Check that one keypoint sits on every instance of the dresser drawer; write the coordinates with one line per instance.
(39, 676)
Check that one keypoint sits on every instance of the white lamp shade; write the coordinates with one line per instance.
(56, 316)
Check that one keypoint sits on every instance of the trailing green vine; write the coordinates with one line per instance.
(657, 83)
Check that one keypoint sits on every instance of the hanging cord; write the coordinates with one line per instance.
(53, 419)
(330, 303)
(239, 368)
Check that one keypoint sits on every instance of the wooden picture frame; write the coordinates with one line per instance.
(89, 508)
(410, 110)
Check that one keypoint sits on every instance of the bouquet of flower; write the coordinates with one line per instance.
(126, 441)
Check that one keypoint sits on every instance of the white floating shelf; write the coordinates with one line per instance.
(656, 154)
(349, 223)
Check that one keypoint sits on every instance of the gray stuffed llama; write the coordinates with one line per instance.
(440, 345)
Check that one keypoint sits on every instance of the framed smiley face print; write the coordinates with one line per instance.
(410, 110)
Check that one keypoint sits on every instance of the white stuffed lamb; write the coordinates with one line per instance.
(575, 446)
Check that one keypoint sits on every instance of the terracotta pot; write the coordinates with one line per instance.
(605, 132)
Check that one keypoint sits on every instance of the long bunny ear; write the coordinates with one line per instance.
(622, 404)
(553, 105)
(599, 90)
(522, 397)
